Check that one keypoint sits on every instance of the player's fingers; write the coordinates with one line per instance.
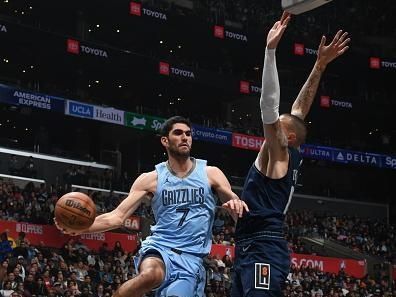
(245, 206)
(237, 207)
(343, 50)
(342, 38)
(346, 41)
(322, 41)
(336, 37)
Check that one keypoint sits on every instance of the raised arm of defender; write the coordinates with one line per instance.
(326, 54)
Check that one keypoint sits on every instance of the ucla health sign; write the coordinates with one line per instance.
(20, 97)
(108, 115)
(212, 135)
(78, 109)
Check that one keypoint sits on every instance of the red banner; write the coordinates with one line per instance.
(247, 142)
(394, 272)
(354, 268)
(50, 236)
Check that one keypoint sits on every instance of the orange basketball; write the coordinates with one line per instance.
(75, 211)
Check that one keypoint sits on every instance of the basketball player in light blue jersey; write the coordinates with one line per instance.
(182, 196)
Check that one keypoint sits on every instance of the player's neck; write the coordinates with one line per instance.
(180, 166)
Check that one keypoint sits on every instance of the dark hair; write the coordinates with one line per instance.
(299, 127)
(168, 125)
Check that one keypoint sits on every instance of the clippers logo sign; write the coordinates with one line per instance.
(262, 276)
(327, 102)
(377, 63)
(167, 69)
(246, 87)
(136, 9)
(3, 28)
(220, 32)
(301, 50)
(74, 47)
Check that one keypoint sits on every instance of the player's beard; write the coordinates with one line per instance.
(176, 153)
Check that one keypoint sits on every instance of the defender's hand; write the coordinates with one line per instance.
(236, 207)
(338, 46)
(276, 32)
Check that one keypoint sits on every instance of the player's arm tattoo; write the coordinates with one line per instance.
(302, 104)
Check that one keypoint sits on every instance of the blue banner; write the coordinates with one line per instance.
(78, 109)
(20, 97)
(347, 157)
(212, 135)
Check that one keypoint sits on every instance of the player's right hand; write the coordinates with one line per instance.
(276, 32)
(66, 231)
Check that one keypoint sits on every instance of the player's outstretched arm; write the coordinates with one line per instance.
(222, 187)
(142, 186)
(326, 54)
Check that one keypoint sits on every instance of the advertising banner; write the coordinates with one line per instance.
(212, 135)
(136, 9)
(108, 115)
(132, 223)
(167, 69)
(20, 97)
(246, 87)
(143, 122)
(222, 33)
(354, 268)
(247, 142)
(78, 109)
(75, 47)
(378, 63)
(50, 236)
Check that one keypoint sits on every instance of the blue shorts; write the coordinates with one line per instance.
(184, 273)
(261, 267)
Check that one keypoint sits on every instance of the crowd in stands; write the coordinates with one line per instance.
(74, 270)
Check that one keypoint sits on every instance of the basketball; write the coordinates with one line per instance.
(75, 211)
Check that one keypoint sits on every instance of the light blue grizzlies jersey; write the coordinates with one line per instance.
(184, 210)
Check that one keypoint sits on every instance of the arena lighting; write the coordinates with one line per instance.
(301, 6)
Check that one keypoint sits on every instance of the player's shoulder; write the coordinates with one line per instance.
(146, 181)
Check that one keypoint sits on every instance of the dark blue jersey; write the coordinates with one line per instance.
(268, 199)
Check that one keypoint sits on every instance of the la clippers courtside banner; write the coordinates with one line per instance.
(379, 63)
(164, 68)
(136, 9)
(76, 47)
(222, 33)
(143, 122)
(20, 97)
(212, 135)
(50, 236)
(354, 268)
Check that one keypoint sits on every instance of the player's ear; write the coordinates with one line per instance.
(164, 140)
(292, 138)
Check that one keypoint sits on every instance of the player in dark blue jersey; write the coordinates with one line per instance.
(262, 257)
(181, 193)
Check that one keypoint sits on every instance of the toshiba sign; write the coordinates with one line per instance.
(75, 47)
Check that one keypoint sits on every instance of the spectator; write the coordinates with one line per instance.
(29, 168)
(13, 165)
(5, 246)
(7, 289)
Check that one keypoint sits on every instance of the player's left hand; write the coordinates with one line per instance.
(338, 46)
(236, 206)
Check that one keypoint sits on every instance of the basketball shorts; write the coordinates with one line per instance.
(184, 273)
(261, 267)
